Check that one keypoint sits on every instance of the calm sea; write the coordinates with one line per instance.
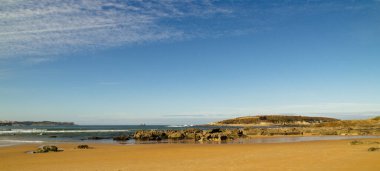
(10, 135)
(13, 135)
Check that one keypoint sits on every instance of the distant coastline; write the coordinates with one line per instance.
(35, 123)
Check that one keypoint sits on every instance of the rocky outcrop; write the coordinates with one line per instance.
(47, 148)
(150, 135)
(176, 135)
(189, 134)
(233, 133)
(273, 131)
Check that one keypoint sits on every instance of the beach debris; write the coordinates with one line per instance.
(83, 146)
(47, 148)
(374, 149)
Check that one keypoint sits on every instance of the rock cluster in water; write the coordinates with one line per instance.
(233, 133)
(189, 134)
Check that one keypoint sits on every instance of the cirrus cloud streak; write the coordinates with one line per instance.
(50, 27)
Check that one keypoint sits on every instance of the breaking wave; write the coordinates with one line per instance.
(179, 126)
(29, 131)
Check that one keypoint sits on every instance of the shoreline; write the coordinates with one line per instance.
(312, 155)
(248, 140)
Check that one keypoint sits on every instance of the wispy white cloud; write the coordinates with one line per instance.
(46, 28)
(39, 30)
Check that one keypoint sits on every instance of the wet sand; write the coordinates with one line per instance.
(332, 155)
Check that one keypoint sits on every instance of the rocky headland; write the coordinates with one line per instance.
(273, 120)
(274, 126)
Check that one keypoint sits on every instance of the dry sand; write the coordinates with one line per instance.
(308, 156)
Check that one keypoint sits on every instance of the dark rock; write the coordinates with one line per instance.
(191, 134)
(356, 142)
(53, 148)
(223, 137)
(96, 138)
(121, 138)
(40, 150)
(47, 148)
(374, 149)
(176, 136)
(152, 135)
(216, 130)
(83, 146)
(240, 133)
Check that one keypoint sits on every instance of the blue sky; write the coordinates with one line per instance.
(187, 62)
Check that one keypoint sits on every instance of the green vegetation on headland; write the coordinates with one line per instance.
(377, 118)
(274, 120)
(351, 123)
(34, 123)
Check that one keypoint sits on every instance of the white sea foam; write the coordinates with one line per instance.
(28, 131)
(21, 141)
(179, 126)
(5, 143)
(12, 131)
(74, 131)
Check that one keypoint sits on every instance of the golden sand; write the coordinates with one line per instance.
(307, 156)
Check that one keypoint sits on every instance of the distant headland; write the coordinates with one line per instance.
(271, 120)
(34, 123)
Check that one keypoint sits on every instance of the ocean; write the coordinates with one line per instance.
(14, 135)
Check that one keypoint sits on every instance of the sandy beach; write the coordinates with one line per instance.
(316, 155)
